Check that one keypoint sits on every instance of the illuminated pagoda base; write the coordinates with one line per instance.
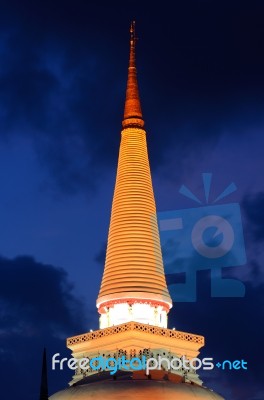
(136, 340)
(135, 385)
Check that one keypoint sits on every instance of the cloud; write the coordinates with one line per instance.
(54, 93)
(253, 206)
(33, 292)
(64, 86)
(100, 256)
(233, 330)
(38, 308)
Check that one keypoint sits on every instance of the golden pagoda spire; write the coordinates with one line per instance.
(132, 112)
(133, 287)
(134, 300)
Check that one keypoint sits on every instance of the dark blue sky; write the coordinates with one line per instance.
(62, 86)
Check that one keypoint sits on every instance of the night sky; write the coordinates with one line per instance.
(63, 75)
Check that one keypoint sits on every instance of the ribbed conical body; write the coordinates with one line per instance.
(133, 260)
(133, 269)
(133, 287)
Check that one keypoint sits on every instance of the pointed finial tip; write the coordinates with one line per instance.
(133, 32)
(132, 112)
(132, 26)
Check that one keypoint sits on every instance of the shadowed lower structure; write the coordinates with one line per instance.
(44, 379)
(131, 386)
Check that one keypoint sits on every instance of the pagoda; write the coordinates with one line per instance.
(134, 301)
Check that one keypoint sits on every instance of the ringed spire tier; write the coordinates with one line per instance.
(133, 287)
(132, 112)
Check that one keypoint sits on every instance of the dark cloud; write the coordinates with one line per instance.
(38, 308)
(63, 76)
(254, 209)
(100, 256)
(41, 294)
(233, 330)
(62, 86)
